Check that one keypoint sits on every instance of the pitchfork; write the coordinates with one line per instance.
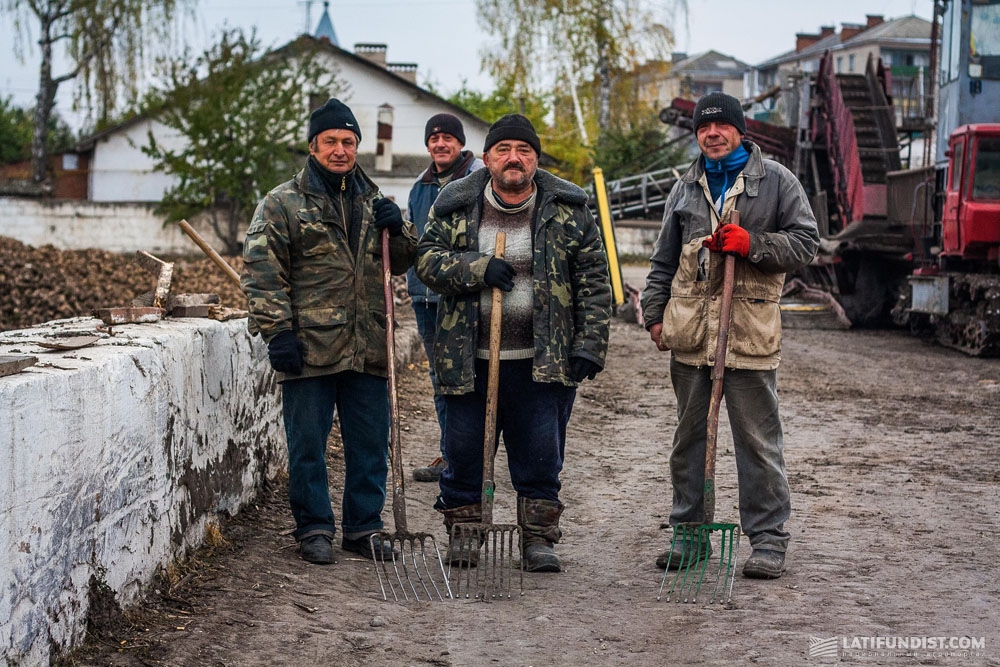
(494, 541)
(695, 537)
(411, 570)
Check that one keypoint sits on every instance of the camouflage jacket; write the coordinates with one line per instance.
(572, 291)
(685, 280)
(300, 274)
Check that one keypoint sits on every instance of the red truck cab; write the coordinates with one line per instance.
(970, 222)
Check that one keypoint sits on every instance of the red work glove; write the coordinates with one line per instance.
(729, 238)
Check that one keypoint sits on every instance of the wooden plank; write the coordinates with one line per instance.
(15, 363)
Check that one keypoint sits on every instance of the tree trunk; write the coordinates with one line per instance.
(44, 103)
(233, 238)
(603, 72)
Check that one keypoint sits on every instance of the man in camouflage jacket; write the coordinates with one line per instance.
(312, 272)
(556, 316)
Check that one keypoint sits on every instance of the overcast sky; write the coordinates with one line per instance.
(443, 38)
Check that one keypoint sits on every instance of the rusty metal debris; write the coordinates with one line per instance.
(222, 313)
(69, 342)
(191, 305)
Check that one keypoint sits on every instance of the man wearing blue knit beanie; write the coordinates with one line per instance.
(777, 233)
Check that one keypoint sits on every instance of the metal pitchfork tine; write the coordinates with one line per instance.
(494, 543)
(696, 537)
(412, 547)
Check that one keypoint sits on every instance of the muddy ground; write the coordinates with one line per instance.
(892, 452)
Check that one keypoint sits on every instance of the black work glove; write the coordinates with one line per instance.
(388, 216)
(581, 369)
(285, 353)
(499, 273)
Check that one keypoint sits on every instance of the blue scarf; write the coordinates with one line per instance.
(722, 173)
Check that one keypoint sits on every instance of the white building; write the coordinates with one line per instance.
(390, 107)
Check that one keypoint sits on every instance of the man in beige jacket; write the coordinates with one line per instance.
(680, 308)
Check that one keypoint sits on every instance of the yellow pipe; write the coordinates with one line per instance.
(604, 211)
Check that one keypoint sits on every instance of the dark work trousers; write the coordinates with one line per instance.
(532, 418)
(426, 313)
(752, 405)
(362, 405)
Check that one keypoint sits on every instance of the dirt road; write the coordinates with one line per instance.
(892, 452)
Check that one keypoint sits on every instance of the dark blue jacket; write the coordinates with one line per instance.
(422, 197)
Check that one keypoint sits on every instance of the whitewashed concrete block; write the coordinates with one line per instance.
(114, 458)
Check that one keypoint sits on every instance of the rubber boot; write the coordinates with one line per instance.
(462, 551)
(539, 522)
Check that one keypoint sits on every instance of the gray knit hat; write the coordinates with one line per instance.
(720, 108)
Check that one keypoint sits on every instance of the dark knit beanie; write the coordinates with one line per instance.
(720, 108)
(444, 122)
(513, 126)
(334, 115)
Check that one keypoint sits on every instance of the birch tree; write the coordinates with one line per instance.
(566, 45)
(105, 43)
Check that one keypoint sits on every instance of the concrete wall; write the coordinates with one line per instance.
(115, 457)
(115, 227)
(636, 237)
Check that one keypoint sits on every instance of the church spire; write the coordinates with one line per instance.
(325, 28)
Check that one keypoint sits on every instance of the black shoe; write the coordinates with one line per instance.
(363, 547)
(541, 557)
(682, 554)
(431, 473)
(764, 564)
(317, 549)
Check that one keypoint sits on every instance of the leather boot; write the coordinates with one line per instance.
(462, 551)
(764, 564)
(539, 522)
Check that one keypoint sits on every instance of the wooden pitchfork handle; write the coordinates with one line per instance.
(396, 449)
(208, 250)
(718, 372)
(492, 389)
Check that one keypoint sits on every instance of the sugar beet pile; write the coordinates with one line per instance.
(42, 284)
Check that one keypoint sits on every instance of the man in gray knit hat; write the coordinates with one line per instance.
(444, 137)
(680, 307)
(556, 317)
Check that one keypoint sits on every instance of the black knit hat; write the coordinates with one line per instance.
(513, 126)
(334, 115)
(720, 108)
(444, 122)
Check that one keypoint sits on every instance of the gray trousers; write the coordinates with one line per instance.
(752, 403)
